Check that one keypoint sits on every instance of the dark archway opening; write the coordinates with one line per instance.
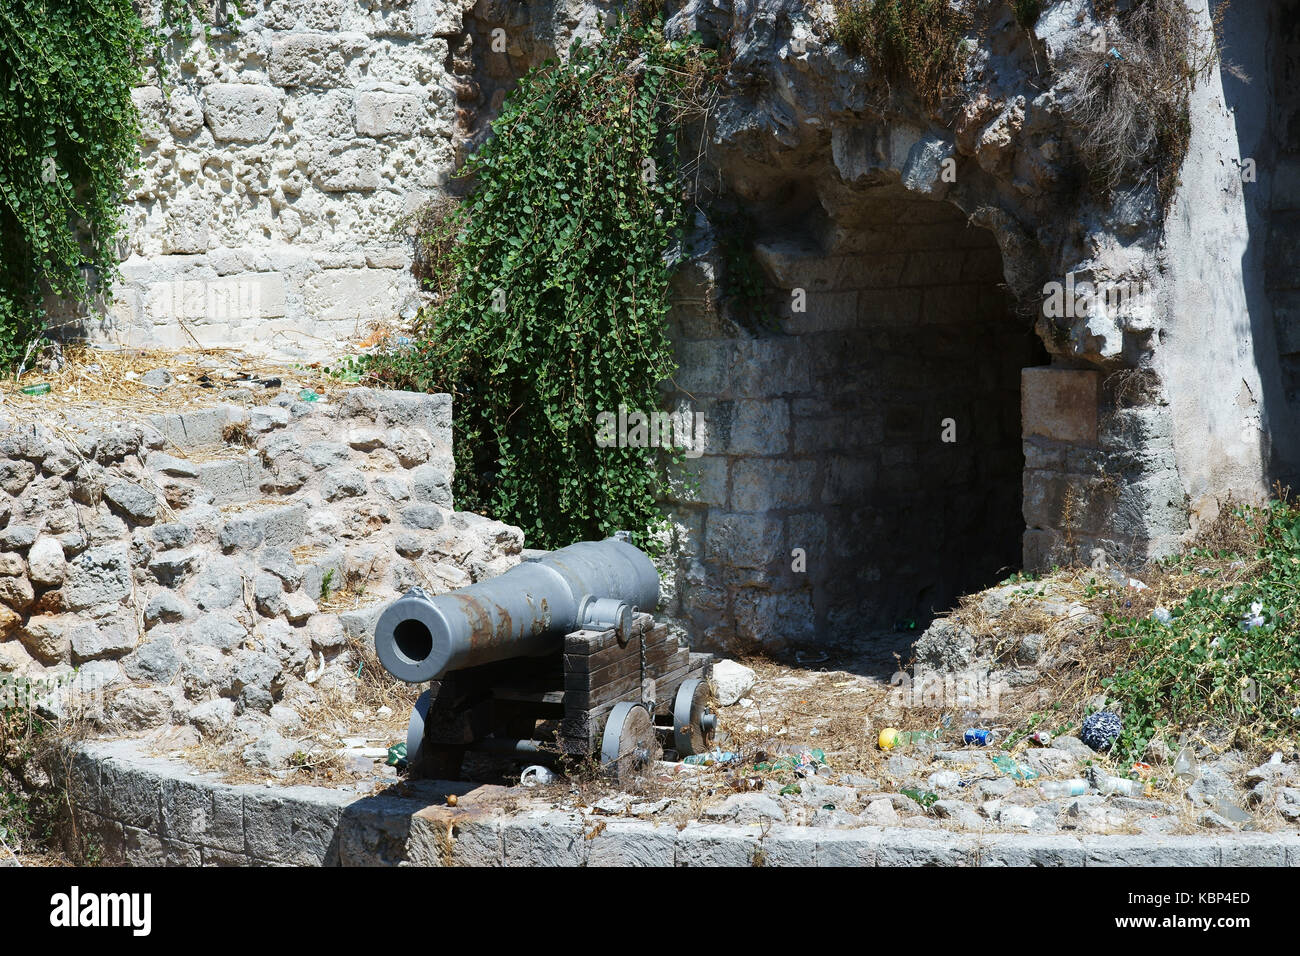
(864, 460)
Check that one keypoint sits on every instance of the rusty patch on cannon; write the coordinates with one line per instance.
(489, 624)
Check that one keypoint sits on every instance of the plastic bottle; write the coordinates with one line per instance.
(1118, 785)
(1017, 770)
(1054, 789)
(42, 389)
(712, 757)
(1185, 766)
(890, 738)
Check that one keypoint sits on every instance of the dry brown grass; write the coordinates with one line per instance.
(1131, 90)
(41, 824)
(82, 377)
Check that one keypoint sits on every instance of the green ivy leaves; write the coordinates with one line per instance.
(69, 136)
(69, 130)
(556, 291)
(1228, 654)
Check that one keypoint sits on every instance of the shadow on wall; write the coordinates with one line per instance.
(1262, 90)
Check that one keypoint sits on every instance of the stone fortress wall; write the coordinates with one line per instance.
(278, 161)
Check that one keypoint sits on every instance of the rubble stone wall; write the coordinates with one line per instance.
(215, 564)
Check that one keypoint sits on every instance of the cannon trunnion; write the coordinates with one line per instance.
(554, 659)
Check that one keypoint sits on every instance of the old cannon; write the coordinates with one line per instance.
(559, 657)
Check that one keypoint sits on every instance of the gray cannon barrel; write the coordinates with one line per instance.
(522, 612)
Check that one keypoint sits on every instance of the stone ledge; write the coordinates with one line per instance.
(147, 810)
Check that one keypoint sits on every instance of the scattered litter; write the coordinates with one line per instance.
(1255, 618)
(1136, 585)
(1162, 615)
(1185, 766)
(1122, 786)
(1230, 811)
(535, 775)
(41, 389)
(712, 757)
(804, 763)
(312, 676)
(1041, 737)
(1101, 730)
(977, 737)
(309, 395)
(890, 738)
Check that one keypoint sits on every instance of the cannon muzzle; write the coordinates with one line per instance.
(523, 612)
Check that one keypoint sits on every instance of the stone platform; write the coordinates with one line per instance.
(152, 811)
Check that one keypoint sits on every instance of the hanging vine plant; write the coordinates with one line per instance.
(71, 137)
(554, 273)
(70, 134)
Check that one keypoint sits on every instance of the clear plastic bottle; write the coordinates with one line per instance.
(1118, 785)
(1055, 789)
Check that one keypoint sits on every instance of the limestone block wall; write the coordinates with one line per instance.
(1100, 468)
(276, 163)
(862, 460)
